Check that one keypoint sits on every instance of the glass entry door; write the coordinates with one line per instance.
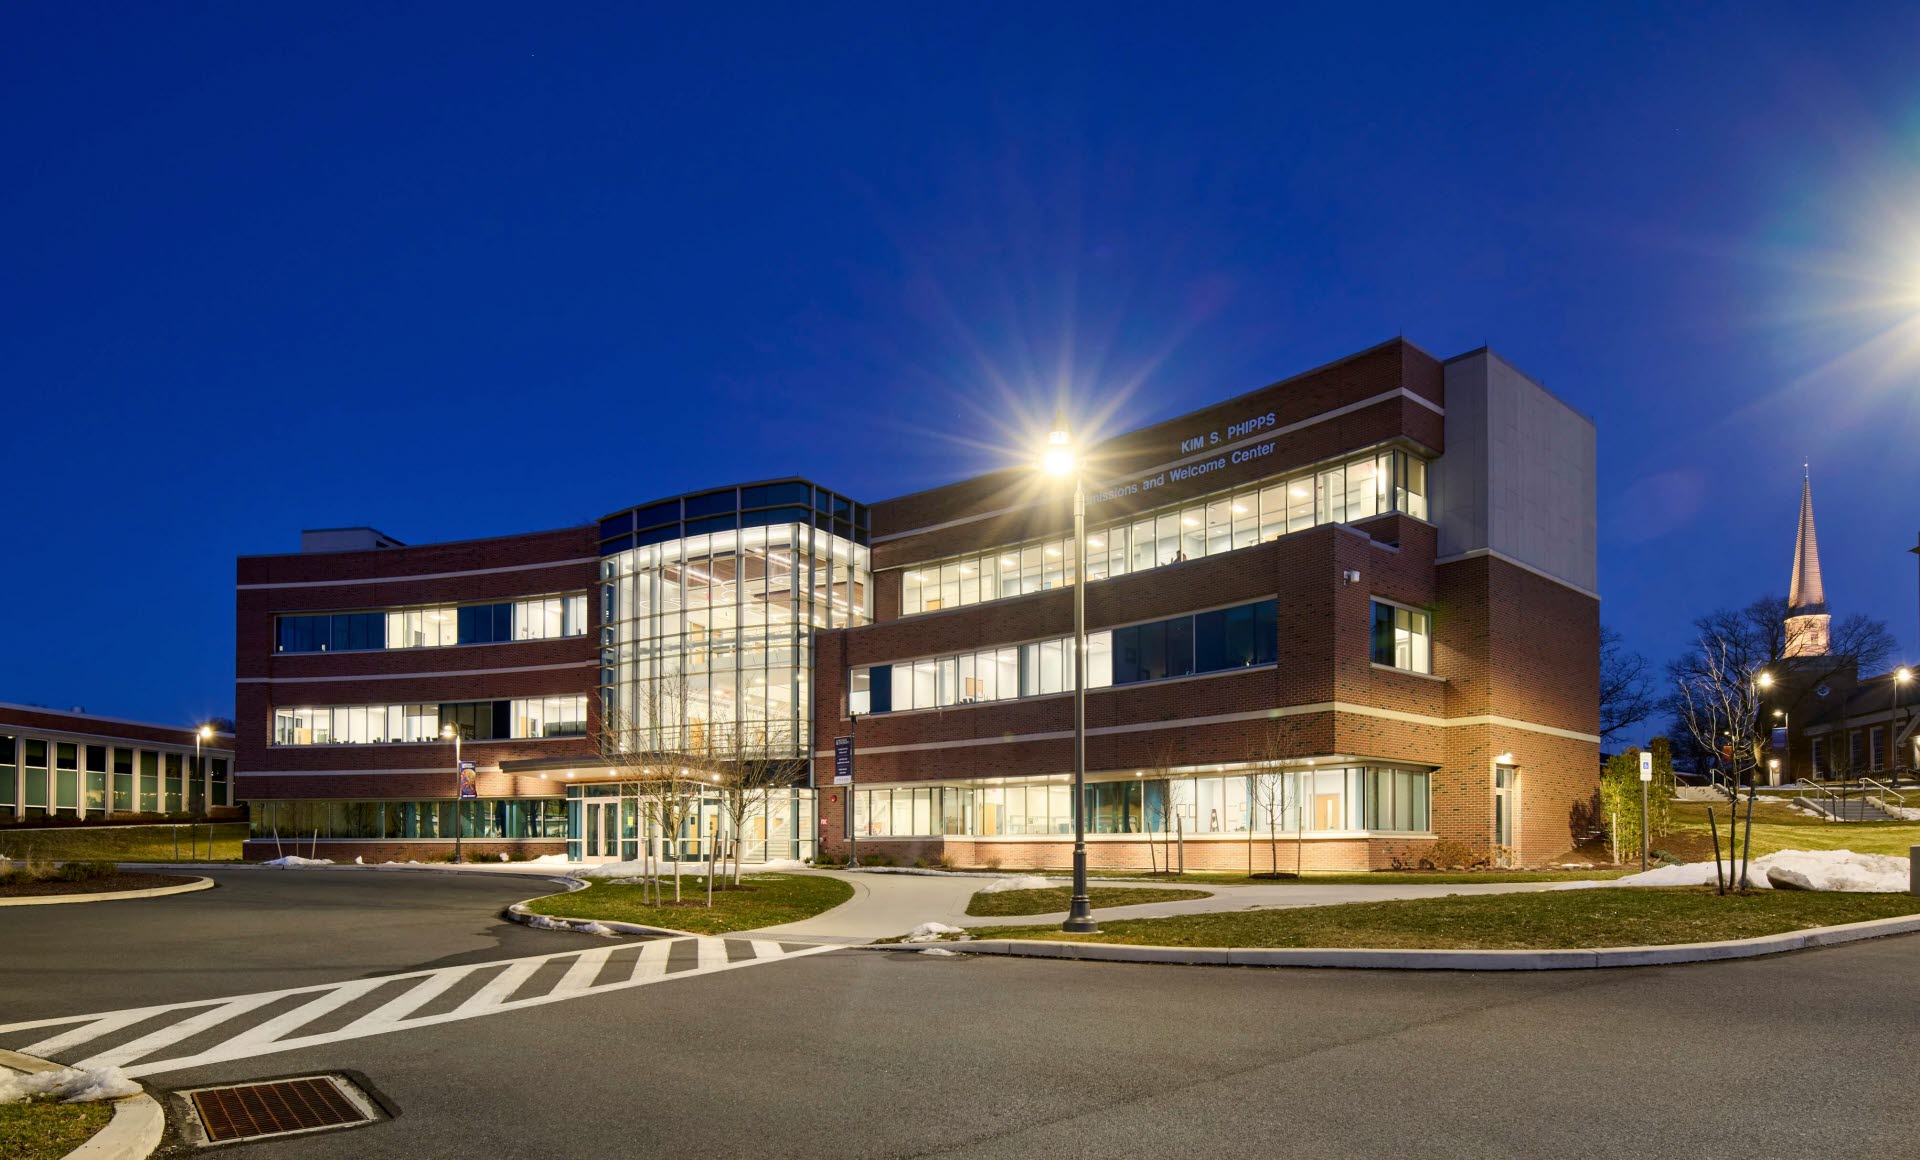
(602, 831)
(1504, 779)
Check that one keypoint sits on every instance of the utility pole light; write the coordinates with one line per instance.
(1060, 461)
(458, 806)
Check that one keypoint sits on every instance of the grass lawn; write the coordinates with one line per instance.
(760, 900)
(1775, 827)
(1378, 877)
(35, 1130)
(1050, 899)
(127, 843)
(1547, 920)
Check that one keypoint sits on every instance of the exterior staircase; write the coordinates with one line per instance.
(1846, 810)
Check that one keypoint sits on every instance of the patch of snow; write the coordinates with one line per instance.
(357, 861)
(1002, 885)
(294, 861)
(69, 1085)
(615, 870)
(548, 860)
(930, 932)
(1836, 870)
(942, 952)
(543, 922)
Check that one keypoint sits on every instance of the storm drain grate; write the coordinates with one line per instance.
(276, 1108)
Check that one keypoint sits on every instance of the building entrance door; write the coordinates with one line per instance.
(602, 831)
(1505, 794)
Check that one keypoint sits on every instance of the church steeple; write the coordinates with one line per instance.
(1807, 619)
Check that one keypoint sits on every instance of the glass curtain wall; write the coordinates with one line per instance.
(705, 639)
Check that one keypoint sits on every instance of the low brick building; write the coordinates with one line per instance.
(81, 766)
(1329, 622)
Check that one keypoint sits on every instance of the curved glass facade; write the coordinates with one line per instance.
(706, 638)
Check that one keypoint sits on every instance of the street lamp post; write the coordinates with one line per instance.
(1901, 676)
(453, 731)
(200, 765)
(1060, 460)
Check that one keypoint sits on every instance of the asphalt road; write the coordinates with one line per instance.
(259, 930)
(870, 1054)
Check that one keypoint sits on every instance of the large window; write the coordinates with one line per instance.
(523, 717)
(9, 772)
(1402, 638)
(1206, 642)
(1382, 800)
(348, 820)
(706, 640)
(1368, 485)
(535, 618)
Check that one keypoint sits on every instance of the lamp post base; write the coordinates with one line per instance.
(1080, 910)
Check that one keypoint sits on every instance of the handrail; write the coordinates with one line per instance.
(1834, 813)
(1886, 791)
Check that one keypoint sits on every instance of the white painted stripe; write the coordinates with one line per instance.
(1210, 453)
(400, 1006)
(583, 972)
(175, 1032)
(306, 1013)
(90, 1030)
(422, 576)
(652, 963)
(711, 952)
(501, 985)
(765, 949)
(224, 1052)
(346, 677)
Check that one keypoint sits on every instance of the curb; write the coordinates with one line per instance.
(199, 883)
(138, 1124)
(1434, 960)
(519, 913)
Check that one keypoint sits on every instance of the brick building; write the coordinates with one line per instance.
(86, 767)
(1331, 621)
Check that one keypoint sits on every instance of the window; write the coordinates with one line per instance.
(94, 792)
(123, 797)
(537, 618)
(563, 715)
(1372, 484)
(1876, 739)
(1819, 755)
(1401, 638)
(9, 772)
(1209, 642)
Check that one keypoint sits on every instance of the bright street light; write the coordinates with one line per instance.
(1765, 680)
(1059, 461)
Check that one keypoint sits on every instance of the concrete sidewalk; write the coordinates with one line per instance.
(887, 905)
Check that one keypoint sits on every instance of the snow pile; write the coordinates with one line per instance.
(1841, 870)
(293, 861)
(615, 870)
(68, 1085)
(548, 860)
(1002, 885)
(941, 952)
(543, 922)
(929, 932)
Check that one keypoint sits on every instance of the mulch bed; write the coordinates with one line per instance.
(94, 885)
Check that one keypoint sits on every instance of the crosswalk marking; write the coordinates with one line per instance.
(186, 1028)
(652, 963)
(583, 972)
(176, 1023)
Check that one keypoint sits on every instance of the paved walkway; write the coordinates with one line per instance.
(886, 905)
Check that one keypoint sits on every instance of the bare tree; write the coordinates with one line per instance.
(760, 760)
(1270, 770)
(1720, 699)
(1626, 686)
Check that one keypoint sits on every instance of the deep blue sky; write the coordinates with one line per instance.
(478, 269)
